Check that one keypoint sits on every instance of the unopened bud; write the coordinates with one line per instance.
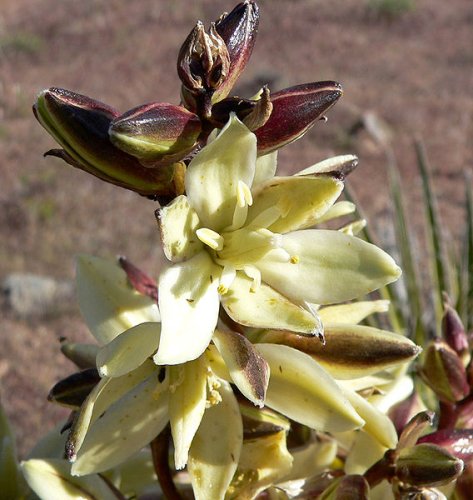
(156, 132)
(139, 280)
(444, 373)
(401, 413)
(72, 391)
(80, 125)
(427, 465)
(458, 442)
(82, 355)
(295, 110)
(415, 428)
(453, 330)
(238, 30)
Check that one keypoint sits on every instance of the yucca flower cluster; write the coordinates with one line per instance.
(244, 369)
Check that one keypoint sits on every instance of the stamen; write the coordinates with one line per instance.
(294, 259)
(226, 279)
(244, 196)
(253, 273)
(210, 238)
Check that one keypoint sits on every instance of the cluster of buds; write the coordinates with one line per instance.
(146, 149)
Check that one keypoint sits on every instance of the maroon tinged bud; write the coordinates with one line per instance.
(444, 373)
(295, 110)
(458, 442)
(156, 133)
(139, 280)
(238, 30)
(453, 330)
(80, 125)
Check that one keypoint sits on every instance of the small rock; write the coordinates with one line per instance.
(29, 295)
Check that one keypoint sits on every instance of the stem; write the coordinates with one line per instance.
(382, 469)
(159, 452)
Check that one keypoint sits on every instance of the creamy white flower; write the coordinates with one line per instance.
(246, 245)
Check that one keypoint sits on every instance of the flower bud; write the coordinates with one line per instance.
(73, 390)
(464, 485)
(427, 465)
(444, 373)
(80, 125)
(414, 429)
(453, 330)
(156, 132)
(238, 30)
(203, 61)
(458, 442)
(139, 280)
(82, 355)
(295, 110)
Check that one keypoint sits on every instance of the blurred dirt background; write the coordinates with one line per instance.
(405, 74)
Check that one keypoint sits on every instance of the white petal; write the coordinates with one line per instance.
(327, 266)
(187, 399)
(300, 200)
(301, 390)
(334, 164)
(263, 462)
(365, 452)
(212, 176)
(128, 425)
(107, 301)
(215, 451)
(51, 480)
(265, 308)
(352, 313)
(265, 167)
(338, 209)
(102, 396)
(189, 304)
(377, 424)
(129, 350)
(248, 370)
(178, 223)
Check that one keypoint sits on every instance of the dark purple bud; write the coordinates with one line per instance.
(401, 413)
(458, 442)
(427, 465)
(444, 373)
(238, 30)
(139, 280)
(156, 132)
(80, 125)
(295, 110)
(453, 330)
(72, 391)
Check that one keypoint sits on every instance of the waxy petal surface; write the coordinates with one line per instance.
(353, 313)
(212, 467)
(303, 391)
(178, 223)
(265, 168)
(128, 425)
(189, 304)
(248, 370)
(108, 303)
(129, 350)
(331, 267)
(212, 176)
(187, 400)
(266, 308)
(300, 200)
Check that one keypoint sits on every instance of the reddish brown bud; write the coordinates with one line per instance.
(453, 330)
(427, 465)
(158, 133)
(444, 373)
(458, 442)
(80, 125)
(295, 110)
(139, 280)
(72, 391)
(238, 30)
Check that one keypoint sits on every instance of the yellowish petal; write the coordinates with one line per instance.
(216, 448)
(187, 399)
(107, 301)
(212, 176)
(189, 304)
(303, 391)
(353, 313)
